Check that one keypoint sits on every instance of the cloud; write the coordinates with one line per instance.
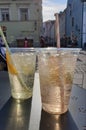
(50, 8)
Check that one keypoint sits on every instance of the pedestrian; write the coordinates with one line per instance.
(69, 42)
(74, 41)
(1, 42)
(42, 41)
(64, 40)
(25, 42)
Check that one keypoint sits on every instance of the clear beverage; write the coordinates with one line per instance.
(22, 79)
(56, 71)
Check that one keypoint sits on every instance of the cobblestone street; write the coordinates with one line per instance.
(80, 72)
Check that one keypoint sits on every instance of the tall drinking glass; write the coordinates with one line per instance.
(56, 71)
(21, 68)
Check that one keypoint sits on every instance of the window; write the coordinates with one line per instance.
(72, 21)
(24, 14)
(5, 14)
(70, 12)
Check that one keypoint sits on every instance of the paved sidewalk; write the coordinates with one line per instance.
(80, 72)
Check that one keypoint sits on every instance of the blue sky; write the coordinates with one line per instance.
(50, 7)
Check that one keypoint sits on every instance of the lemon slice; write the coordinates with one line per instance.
(11, 67)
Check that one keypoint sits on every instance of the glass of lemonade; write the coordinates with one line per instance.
(21, 68)
(56, 71)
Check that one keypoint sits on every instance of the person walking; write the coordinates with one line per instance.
(74, 42)
(25, 42)
(42, 41)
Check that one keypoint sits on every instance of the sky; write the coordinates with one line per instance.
(50, 7)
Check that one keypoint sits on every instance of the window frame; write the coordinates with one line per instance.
(22, 18)
(5, 15)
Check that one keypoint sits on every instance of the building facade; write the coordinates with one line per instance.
(21, 19)
(62, 23)
(76, 20)
(49, 28)
(49, 32)
(84, 25)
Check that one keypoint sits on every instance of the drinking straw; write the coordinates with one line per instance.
(4, 39)
(9, 53)
(57, 30)
(60, 60)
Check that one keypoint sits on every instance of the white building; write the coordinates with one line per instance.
(49, 32)
(76, 20)
(20, 19)
(84, 25)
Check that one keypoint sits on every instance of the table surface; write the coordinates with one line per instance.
(28, 115)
